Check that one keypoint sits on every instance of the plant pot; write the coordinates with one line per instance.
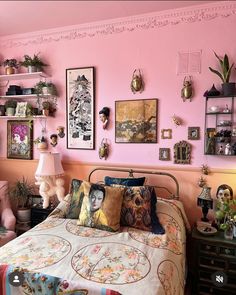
(10, 111)
(32, 69)
(23, 214)
(9, 70)
(45, 90)
(228, 88)
(42, 146)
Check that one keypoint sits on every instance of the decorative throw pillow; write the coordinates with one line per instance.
(100, 206)
(139, 209)
(76, 198)
(130, 181)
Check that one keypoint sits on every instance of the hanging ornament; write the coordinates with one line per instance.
(205, 169)
(137, 82)
(177, 121)
(60, 131)
(187, 90)
(104, 149)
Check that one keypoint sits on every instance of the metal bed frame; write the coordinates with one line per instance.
(131, 174)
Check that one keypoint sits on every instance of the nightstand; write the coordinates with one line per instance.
(39, 214)
(212, 254)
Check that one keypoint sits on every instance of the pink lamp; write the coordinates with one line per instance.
(48, 177)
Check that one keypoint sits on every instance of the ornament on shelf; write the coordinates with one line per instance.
(187, 90)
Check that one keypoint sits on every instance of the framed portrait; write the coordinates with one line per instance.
(164, 154)
(166, 133)
(20, 139)
(21, 108)
(193, 133)
(80, 105)
(136, 121)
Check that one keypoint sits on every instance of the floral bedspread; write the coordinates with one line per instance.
(84, 260)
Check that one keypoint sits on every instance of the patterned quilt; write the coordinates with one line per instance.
(63, 258)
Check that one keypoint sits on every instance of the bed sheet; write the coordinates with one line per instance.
(95, 262)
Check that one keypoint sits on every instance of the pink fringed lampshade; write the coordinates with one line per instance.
(49, 165)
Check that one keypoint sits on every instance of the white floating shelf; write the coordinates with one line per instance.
(21, 76)
(23, 118)
(24, 96)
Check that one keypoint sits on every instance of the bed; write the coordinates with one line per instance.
(58, 256)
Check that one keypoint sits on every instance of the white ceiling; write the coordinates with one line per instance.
(18, 17)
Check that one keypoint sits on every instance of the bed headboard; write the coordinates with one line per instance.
(131, 173)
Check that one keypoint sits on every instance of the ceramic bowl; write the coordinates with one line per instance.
(214, 109)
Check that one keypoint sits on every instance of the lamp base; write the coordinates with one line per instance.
(50, 186)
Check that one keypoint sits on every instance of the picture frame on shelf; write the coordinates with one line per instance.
(80, 106)
(20, 139)
(166, 133)
(193, 133)
(164, 154)
(21, 109)
(136, 121)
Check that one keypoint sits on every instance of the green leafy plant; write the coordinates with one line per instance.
(225, 68)
(21, 192)
(226, 213)
(33, 61)
(10, 104)
(50, 86)
(11, 63)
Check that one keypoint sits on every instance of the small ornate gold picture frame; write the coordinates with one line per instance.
(166, 133)
(164, 154)
(193, 133)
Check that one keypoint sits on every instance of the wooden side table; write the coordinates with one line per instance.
(39, 214)
(213, 254)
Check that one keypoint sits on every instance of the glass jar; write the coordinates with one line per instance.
(229, 231)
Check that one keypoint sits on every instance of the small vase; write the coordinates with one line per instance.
(32, 69)
(229, 232)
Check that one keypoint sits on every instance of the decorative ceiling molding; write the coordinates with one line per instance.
(137, 23)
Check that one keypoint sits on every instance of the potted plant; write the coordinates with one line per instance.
(41, 143)
(21, 193)
(45, 88)
(33, 64)
(227, 87)
(10, 66)
(10, 106)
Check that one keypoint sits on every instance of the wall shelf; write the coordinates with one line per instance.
(35, 75)
(34, 96)
(23, 118)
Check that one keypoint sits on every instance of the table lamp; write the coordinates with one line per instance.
(48, 177)
(205, 201)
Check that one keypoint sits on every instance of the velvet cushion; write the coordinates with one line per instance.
(139, 209)
(98, 206)
(131, 181)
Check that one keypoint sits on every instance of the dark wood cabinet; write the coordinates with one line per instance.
(39, 214)
(213, 254)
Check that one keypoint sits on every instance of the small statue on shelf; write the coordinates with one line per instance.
(228, 149)
(220, 150)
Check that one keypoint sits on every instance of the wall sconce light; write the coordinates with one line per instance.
(205, 201)
(48, 177)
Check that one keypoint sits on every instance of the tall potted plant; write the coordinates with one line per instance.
(21, 193)
(33, 64)
(225, 73)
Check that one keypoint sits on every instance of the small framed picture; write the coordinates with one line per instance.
(166, 133)
(193, 133)
(21, 109)
(164, 154)
(20, 139)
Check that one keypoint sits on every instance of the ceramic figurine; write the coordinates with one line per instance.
(187, 90)
(205, 169)
(60, 130)
(227, 149)
(104, 116)
(53, 138)
(137, 82)
(103, 149)
(201, 182)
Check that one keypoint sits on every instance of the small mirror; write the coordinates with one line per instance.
(182, 152)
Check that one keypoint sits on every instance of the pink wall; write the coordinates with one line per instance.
(115, 55)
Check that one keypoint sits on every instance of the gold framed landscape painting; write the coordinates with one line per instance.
(136, 121)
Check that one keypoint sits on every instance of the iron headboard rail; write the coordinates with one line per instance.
(140, 171)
